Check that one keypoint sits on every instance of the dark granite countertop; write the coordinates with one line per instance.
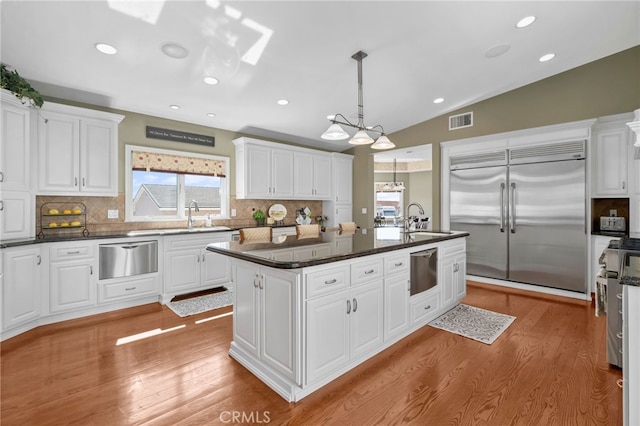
(52, 237)
(614, 234)
(365, 242)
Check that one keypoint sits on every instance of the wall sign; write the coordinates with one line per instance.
(178, 136)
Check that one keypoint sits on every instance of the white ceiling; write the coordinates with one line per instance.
(418, 51)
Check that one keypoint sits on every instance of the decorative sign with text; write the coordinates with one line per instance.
(178, 136)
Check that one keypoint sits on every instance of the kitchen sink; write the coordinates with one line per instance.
(176, 231)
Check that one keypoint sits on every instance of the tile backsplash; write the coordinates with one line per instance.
(97, 209)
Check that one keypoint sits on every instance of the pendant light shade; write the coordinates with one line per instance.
(335, 132)
(383, 142)
(361, 138)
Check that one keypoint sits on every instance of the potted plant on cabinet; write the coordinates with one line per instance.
(258, 215)
(13, 82)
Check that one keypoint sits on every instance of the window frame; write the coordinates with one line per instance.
(128, 190)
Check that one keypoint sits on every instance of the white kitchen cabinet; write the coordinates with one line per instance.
(343, 178)
(610, 151)
(190, 267)
(17, 216)
(77, 151)
(315, 251)
(15, 146)
(339, 208)
(631, 353)
(73, 276)
(264, 320)
(17, 219)
(396, 295)
(343, 326)
(263, 171)
(452, 271)
(313, 176)
(396, 306)
(21, 290)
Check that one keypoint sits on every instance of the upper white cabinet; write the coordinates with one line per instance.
(339, 208)
(610, 153)
(263, 171)
(313, 177)
(77, 151)
(267, 170)
(15, 146)
(17, 217)
(343, 177)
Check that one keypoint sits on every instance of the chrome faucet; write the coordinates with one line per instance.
(189, 218)
(410, 225)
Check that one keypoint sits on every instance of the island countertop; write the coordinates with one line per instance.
(363, 242)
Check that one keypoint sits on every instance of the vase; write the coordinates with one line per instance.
(260, 221)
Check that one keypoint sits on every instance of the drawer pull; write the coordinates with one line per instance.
(74, 252)
(39, 260)
(355, 304)
(426, 308)
(1, 205)
(370, 271)
(130, 288)
(333, 281)
(348, 307)
(619, 296)
(399, 264)
(619, 334)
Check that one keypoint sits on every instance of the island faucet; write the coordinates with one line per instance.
(189, 218)
(410, 225)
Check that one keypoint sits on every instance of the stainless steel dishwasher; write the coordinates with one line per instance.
(128, 259)
(424, 270)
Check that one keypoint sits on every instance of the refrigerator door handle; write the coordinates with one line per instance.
(512, 210)
(502, 187)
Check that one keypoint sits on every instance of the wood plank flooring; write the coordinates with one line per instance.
(549, 367)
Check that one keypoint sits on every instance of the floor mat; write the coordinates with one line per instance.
(474, 323)
(196, 305)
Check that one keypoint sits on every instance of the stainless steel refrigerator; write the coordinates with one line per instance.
(524, 209)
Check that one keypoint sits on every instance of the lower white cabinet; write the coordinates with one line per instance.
(396, 305)
(118, 289)
(452, 270)
(189, 266)
(264, 315)
(73, 276)
(343, 326)
(21, 290)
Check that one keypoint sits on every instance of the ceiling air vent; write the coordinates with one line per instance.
(461, 120)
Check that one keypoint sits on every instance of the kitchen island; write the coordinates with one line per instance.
(309, 309)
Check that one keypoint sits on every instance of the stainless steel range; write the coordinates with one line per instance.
(623, 267)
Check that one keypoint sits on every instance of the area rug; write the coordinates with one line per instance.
(474, 323)
(197, 305)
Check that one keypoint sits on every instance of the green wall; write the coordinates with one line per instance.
(608, 86)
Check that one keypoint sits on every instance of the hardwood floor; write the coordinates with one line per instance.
(548, 367)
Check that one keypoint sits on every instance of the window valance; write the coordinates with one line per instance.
(156, 162)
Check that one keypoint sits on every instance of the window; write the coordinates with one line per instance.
(161, 184)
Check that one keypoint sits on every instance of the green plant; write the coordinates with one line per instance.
(258, 214)
(17, 85)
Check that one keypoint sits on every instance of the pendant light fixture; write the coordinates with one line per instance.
(397, 186)
(336, 132)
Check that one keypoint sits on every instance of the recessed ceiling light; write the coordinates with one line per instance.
(105, 48)
(547, 57)
(174, 106)
(210, 114)
(283, 102)
(174, 50)
(525, 22)
(438, 100)
(211, 80)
